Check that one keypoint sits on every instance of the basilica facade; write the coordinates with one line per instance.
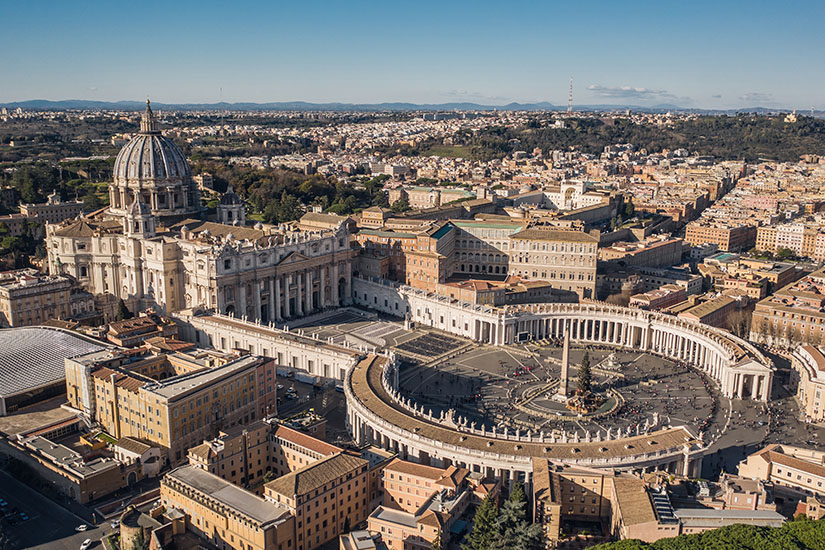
(152, 249)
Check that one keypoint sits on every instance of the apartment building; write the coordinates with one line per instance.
(566, 258)
(53, 210)
(420, 504)
(28, 297)
(729, 237)
(793, 468)
(227, 515)
(659, 298)
(173, 401)
(714, 312)
(326, 498)
(659, 251)
(793, 314)
(801, 238)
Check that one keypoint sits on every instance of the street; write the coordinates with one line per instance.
(50, 526)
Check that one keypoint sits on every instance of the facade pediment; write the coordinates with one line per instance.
(293, 258)
(749, 366)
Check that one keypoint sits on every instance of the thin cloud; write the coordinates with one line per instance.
(757, 97)
(470, 95)
(629, 92)
(717, 96)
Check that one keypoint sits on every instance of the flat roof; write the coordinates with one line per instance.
(180, 385)
(240, 500)
(34, 357)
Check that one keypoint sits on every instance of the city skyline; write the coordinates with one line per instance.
(712, 57)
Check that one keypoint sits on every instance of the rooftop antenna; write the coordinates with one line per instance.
(570, 98)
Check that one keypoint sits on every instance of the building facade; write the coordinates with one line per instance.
(149, 251)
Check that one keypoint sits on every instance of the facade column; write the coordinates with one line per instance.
(256, 286)
(299, 298)
(287, 284)
(271, 300)
(242, 303)
(336, 301)
(278, 315)
(322, 299)
(309, 291)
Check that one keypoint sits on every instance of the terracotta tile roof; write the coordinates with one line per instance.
(633, 501)
(118, 327)
(316, 475)
(133, 445)
(451, 477)
(203, 451)
(121, 381)
(79, 228)
(795, 463)
(306, 441)
(433, 519)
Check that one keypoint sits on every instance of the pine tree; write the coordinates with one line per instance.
(517, 496)
(585, 376)
(483, 533)
(122, 311)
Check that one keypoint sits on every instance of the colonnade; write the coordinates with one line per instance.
(287, 295)
(670, 337)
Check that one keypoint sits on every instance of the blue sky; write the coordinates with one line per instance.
(718, 54)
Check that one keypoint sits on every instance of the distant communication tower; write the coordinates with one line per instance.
(570, 98)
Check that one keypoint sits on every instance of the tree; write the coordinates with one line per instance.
(629, 209)
(401, 205)
(739, 323)
(514, 531)
(585, 375)
(764, 330)
(122, 311)
(784, 254)
(483, 534)
(437, 543)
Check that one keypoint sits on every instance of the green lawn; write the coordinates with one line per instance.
(103, 436)
(451, 151)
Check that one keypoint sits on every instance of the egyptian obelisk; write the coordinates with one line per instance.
(561, 394)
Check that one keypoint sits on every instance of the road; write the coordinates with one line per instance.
(50, 526)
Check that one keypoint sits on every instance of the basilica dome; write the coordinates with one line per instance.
(151, 157)
(156, 169)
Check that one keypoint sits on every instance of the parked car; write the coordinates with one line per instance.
(80, 528)
(86, 544)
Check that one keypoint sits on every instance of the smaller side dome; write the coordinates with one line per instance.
(230, 198)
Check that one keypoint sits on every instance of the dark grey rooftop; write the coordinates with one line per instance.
(32, 357)
(234, 497)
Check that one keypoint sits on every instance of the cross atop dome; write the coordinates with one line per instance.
(148, 122)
